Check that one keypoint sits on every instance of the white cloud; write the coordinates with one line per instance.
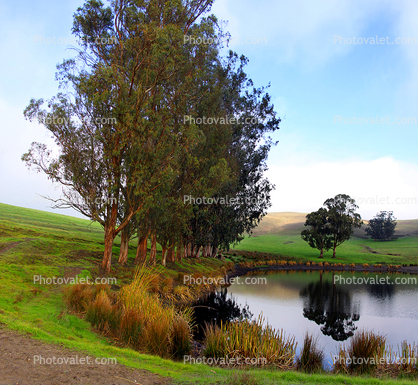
(380, 184)
(303, 29)
(20, 186)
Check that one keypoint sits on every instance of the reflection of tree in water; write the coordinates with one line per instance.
(381, 292)
(215, 308)
(330, 306)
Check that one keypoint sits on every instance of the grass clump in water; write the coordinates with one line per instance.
(250, 342)
(364, 355)
(311, 357)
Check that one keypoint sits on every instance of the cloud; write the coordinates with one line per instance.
(304, 29)
(380, 184)
(20, 186)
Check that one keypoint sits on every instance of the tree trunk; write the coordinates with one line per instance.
(322, 253)
(179, 251)
(109, 237)
(170, 254)
(188, 250)
(164, 254)
(215, 252)
(205, 252)
(197, 253)
(124, 246)
(153, 253)
(333, 252)
(141, 251)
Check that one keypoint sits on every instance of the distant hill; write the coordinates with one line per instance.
(291, 223)
(274, 223)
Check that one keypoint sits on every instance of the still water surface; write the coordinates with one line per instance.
(301, 301)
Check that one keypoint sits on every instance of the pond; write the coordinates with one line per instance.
(330, 305)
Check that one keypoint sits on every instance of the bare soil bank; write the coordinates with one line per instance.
(17, 366)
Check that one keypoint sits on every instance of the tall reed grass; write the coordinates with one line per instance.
(311, 358)
(365, 353)
(136, 316)
(251, 340)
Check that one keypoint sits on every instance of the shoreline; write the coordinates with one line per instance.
(239, 271)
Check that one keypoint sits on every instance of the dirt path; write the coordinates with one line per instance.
(21, 363)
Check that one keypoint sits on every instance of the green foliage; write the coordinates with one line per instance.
(319, 235)
(342, 218)
(332, 224)
(130, 147)
(382, 226)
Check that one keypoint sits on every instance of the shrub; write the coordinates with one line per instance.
(215, 342)
(311, 357)
(363, 354)
(408, 355)
(102, 314)
(131, 323)
(250, 339)
(136, 316)
(181, 333)
(365, 265)
(78, 297)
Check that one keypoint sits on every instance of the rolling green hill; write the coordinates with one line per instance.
(279, 233)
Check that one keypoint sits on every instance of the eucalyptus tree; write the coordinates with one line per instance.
(239, 203)
(382, 226)
(319, 234)
(117, 122)
(342, 218)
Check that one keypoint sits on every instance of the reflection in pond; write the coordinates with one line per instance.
(215, 308)
(330, 306)
(382, 292)
(387, 309)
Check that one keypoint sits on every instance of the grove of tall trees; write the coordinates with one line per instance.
(146, 117)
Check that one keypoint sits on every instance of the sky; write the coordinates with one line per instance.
(349, 106)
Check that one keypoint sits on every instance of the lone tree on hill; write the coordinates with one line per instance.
(332, 224)
(382, 226)
(342, 218)
(319, 235)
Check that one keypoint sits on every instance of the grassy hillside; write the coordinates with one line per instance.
(39, 243)
(279, 233)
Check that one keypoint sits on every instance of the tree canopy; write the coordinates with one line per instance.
(332, 224)
(133, 135)
(382, 226)
(319, 235)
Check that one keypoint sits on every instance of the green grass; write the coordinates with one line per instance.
(357, 250)
(38, 243)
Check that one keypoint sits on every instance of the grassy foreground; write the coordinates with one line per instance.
(36, 243)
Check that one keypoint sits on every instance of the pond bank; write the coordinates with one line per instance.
(240, 270)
